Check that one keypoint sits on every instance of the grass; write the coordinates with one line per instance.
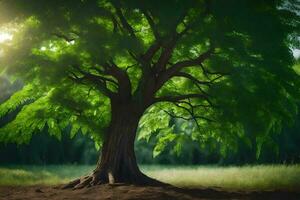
(261, 177)
(40, 175)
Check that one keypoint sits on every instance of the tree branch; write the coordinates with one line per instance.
(123, 20)
(63, 36)
(158, 74)
(104, 78)
(192, 114)
(179, 97)
(194, 79)
(207, 72)
(148, 55)
(124, 83)
(175, 68)
(152, 25)
(190, 63)
(165, 55)
(99, 82)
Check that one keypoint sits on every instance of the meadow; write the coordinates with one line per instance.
(244, 178)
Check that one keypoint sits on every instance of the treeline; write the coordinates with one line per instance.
(283, 147)
(45, 149)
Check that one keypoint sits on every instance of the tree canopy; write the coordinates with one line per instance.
(220, 69)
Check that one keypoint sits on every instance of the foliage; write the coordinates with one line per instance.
(223, 68)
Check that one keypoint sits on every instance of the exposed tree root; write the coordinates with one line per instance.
(99, 178)
(86, 181)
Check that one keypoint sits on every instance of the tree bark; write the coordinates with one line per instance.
(117, 162)
(118, 159)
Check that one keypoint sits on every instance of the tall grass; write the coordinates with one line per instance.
(261, 177)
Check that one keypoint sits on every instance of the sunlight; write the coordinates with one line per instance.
(296, 53)
(4, 37)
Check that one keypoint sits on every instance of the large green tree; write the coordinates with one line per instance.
(111, 67)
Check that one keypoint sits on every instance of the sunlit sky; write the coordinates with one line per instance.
(5, 37)
(296, 53)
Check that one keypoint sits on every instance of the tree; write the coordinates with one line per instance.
(109, 68)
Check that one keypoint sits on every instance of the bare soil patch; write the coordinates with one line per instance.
(131, 192)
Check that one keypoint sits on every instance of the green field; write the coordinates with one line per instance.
(262, 177)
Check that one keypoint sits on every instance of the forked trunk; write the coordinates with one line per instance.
(117, 163)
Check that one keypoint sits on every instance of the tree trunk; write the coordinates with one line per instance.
(117, 159)
(117, 162)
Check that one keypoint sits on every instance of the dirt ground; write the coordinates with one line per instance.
(126, 192)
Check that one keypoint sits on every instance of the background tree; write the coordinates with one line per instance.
(105, 67)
